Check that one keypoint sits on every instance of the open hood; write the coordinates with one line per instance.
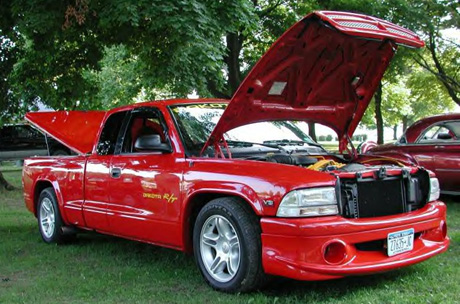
(324, 69)
(75, 129)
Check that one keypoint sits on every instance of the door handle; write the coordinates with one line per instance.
(115, 172)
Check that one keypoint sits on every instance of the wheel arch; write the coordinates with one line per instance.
(197, 201)
(41, 185)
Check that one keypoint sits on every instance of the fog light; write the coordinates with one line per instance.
(335, 252)
(437, 234)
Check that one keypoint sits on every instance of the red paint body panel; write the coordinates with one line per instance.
(133, 215)
(74, 129)
(295, 247)
(97, 192)
(441, 157)
(153, 195)
(318, 71)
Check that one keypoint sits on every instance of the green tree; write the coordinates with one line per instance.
(173, 45)
(7, 105)
(441, 57)
(409, 97)
(95, 54)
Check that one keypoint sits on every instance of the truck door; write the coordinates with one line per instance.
(97, 175)
(145, 183)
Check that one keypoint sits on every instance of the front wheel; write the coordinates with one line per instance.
(227, 246)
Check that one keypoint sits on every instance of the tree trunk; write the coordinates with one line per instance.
(4, 183)
(378, 113)
(449, 83)
(405, 122)
(234, 44)
(232, 61)
(395, 132)
(312, 130)
(212, 88)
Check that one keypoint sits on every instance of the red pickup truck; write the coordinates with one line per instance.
(238, 182)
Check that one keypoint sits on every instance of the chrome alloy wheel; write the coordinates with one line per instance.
(220, 248)
(47, 217)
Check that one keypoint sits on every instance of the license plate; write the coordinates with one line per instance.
(400, 241)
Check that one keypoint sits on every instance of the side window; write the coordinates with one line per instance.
(145, 122)
(454, 129)
(403, 139)
(436, 134)
(26, 132)
(7, 133)
(109, 134)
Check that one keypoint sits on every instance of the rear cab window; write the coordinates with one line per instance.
(109, 134)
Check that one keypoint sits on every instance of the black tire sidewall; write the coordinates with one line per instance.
(214, 208)
(57, 233)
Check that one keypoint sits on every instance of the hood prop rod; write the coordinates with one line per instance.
(218, 148)
(47, 144)
(353, 151)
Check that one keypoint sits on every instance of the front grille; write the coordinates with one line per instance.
(380, 197)
(378, 245)
(384, 195)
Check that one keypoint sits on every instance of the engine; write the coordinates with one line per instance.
(367, 189)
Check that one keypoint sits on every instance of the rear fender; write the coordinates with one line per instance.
(404, 157)
(49, 179)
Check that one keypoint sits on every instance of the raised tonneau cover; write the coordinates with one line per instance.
(77, 130)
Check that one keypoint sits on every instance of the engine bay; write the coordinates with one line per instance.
(400, 188)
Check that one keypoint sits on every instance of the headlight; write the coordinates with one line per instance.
(435, 191)
(309, 202)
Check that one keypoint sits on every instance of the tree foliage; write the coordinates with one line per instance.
(96, 54)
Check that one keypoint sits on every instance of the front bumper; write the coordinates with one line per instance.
(296, 248)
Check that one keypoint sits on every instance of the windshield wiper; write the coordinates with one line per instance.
(237, 143)
(285, 142)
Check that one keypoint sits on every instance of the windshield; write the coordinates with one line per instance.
(196, 122)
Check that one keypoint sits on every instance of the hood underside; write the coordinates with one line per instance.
(324, 69)
(75, 129)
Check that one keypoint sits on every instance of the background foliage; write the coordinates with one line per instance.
(85, 54)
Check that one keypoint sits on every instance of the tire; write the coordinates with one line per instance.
(227, 246)
(49, 218)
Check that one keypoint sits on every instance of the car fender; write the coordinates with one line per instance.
(51, 179)
(203, 192)
(401, 156)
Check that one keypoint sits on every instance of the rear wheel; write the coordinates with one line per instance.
(49, 218)
(227, 246)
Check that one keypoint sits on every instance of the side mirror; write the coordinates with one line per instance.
(151, 143)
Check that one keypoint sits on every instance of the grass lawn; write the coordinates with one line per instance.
(105, 269)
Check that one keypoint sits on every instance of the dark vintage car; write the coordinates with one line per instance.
(434, 143)
(20, 141)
